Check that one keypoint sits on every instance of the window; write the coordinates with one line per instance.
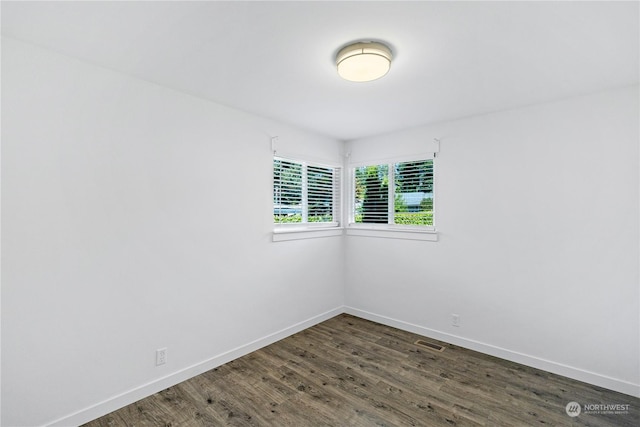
(399, 194)
(305, 193)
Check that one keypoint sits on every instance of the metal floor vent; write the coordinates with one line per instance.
(430, 345)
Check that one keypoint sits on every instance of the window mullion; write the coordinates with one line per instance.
(392, 193)
(337, 194)
(351, 195)
(305, 194)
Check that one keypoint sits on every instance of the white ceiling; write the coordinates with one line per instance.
(275, 59)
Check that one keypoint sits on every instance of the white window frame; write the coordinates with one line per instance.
(392, 231)
(305, 229)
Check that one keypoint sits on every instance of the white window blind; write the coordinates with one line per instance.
(305, 193)
(413, 197)
(372, 194)
(394, 193)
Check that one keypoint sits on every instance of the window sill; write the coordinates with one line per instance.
(282, 235)
(393, 233)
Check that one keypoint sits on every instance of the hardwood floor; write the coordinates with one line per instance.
(351, 372)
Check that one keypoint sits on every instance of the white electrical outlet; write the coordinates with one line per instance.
(455, 319)
(161, 356)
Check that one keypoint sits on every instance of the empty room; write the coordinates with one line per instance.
(328, 213)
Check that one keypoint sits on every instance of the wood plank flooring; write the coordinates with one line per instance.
(348, 371)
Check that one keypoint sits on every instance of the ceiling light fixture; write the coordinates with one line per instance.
(363, 61)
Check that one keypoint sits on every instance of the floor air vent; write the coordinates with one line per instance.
(430, 345)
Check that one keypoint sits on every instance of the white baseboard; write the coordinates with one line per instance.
(535, 362)
(131, 396)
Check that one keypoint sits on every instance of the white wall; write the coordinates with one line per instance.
(134, 218)
(126, 228)
(537, 212)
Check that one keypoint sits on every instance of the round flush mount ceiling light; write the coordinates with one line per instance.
(364, 61)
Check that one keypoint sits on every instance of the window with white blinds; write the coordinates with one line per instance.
(305, 193)
(393, 193)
